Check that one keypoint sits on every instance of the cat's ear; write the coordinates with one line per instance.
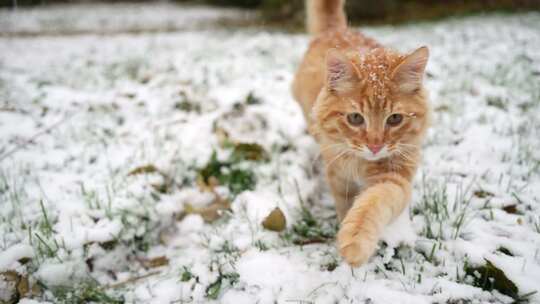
(409, 74)
(340, 73)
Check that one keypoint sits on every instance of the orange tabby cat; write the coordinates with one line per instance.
(366, 106)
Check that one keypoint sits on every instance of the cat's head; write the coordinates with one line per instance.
(373, 105)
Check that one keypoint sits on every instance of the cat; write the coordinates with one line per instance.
(367, 107)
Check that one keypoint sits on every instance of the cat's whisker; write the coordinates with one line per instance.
(335, 158)
(405, 155)
(408, 147)
(347, 181)
(356, 148)
(396, 165)
(407, 161)
(324, 149)
(411, 157)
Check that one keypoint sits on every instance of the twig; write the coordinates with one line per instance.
(321, 286)
(311, 241)
(133, 279)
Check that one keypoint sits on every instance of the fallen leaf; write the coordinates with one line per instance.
(207, 186)
(490, 277)
(35, 290)
(146, 169)
(11, 282)
(209, 213)
(245, 151)
(275, 221)
(483, 193)
(156, 262)
(23, 287)
(512, 209)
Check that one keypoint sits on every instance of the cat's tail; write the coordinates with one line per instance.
(324, 15)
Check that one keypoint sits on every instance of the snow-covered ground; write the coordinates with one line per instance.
(112, 18)
(106, 170)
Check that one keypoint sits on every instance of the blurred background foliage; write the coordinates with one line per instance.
(290, 12)
(382, 11)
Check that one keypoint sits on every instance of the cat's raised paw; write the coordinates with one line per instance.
(355, 247)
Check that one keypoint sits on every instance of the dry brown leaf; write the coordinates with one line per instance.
(275, 221)
(23, 287)
(207, 187)
(512, 209)
(483, 194)
(146, 169)
(12, 279)
(156, 262)
(209, 213)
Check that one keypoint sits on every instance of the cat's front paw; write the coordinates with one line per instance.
(356, 245)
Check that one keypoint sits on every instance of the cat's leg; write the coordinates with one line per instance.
(343, 190)
(371, 211)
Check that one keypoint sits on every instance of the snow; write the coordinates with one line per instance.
(524, 273)
(60, 274)
(191, 223)
(62, 19)
(400, 231)
(106, 98)
(266, 201)
(29, 301)
(14, 254)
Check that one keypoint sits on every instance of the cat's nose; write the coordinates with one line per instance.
(375, 148)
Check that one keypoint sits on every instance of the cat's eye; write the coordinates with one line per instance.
(355, 119)
(394, 119)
